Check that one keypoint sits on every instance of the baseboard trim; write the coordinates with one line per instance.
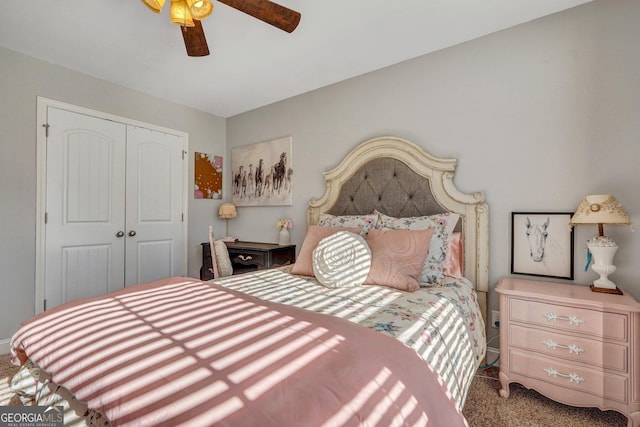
(492, 354)
(5, 346)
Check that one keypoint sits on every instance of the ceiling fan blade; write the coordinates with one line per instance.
(194, 39)
(267, 11)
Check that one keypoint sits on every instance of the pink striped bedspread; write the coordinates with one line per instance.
(442, 324)
(185, 352)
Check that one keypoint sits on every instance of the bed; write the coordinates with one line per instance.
(290, 346)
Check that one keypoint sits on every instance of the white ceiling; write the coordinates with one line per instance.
(251, 63)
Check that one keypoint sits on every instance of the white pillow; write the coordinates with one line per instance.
(222, 258)
(342, 259)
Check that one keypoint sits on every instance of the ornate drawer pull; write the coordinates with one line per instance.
(573, 320)
(572, 376)
(245, 258)
(571, 347)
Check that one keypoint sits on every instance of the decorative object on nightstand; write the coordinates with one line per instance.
(601, 209)
(572, 345)
(283, 236)
(227, 211)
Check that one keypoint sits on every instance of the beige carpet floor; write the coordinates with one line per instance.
(484, 407)
(527, 408)
(7, 370)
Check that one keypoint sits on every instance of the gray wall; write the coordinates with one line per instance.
(22, 79)
(538, 115)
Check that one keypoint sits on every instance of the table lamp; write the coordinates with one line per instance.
(227, 211)
(601, 209)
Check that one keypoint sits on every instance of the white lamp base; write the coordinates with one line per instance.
(603, 250)
(604, 271)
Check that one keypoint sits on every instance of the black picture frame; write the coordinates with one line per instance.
(542, 244)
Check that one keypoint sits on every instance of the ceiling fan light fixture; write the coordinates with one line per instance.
(154, 5)
(200, 9)
(188, 14)
(180, 14)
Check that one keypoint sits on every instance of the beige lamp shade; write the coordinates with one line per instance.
(227, 210)
(180, 13)
(200, 9)
(600, 209)
(154, 5)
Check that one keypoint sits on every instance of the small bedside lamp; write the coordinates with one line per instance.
(227, 211)
(601, 209)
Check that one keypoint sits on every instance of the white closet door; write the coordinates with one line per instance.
(155, 237)
(84, 205)
(114, 204)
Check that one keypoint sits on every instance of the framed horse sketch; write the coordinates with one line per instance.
(262, 173)
(542, 244)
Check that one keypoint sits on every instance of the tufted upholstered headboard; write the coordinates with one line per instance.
(400, 179)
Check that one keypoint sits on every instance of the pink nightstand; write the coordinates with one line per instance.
(572, 345)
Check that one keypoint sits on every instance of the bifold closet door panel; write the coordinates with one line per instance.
(155, 238)
(85, 206)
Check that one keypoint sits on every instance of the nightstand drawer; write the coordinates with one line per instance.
(600, 354)
(576, 320)
(249, 258)
(570, 377)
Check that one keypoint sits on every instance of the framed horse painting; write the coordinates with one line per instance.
(262, 173)
(542, 244)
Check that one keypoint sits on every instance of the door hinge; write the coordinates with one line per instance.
(45, 305)
(183, 217)
(183, 153)
(46, 129)
(46, 217)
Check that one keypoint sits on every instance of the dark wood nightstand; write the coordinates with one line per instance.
(250, 256)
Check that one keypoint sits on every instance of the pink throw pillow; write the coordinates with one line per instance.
(454, 259)
(315, 233)
(397, 257)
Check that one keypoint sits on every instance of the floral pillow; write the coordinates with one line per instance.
(365, 222)
(442, 224)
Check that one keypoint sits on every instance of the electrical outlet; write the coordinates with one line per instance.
(495, 319)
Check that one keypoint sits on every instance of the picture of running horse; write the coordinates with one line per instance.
(259, 178)
(279, 172)
(262, 173)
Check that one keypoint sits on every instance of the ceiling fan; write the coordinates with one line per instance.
(189, 13)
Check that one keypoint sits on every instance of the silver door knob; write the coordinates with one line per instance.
(120, 234)
(132, 233)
